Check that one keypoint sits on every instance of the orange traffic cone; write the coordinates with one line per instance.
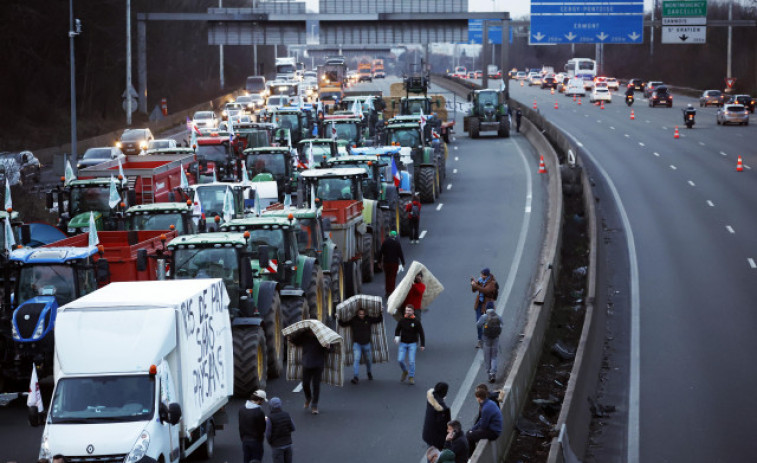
(574, 98)
(632, 116)
(542, 167)
(579, 102)
(675, 133)
(602, 105)
(521, 83)
(739, 165)
(534, 104)
(551, 91)
(555, 104)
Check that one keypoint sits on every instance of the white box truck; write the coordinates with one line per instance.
(141, 369)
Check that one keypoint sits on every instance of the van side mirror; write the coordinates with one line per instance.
(49, 200)
(263, 256)
(174, 413)
(131, 197)
(470, 97)
(141, 260)
(26, 234)
(245, 274)
(102, 271)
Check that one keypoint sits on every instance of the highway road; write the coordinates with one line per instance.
(677, 270)
(491, 214)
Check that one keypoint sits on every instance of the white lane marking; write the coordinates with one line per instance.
(648, 121)
(751, 262)
(701, 143)
(641, 144)
(454, 171)
(579, 144)
(456, 148)
(657, 154)
(528, 204)
(664, 128)
(691, 183)
(612, 128)
(710, 203)
(730, 229)
(598, 121)
(747, 167)
(634, 382)
(454, 138)
(626, 135)
(723, 153)
(423, 233)
(586, 115)
(673, 167)
(457, 158)
(298, 388)
(439, 207)
(465, 388)
(449, 187)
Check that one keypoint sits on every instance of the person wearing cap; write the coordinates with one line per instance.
(252, 427)
(279, 433)
(437, 416)
(485, 287)
(390, 255)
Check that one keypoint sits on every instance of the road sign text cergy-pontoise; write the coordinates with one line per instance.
(586, 21)
(684, 22)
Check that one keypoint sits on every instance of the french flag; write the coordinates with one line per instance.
(395, 173)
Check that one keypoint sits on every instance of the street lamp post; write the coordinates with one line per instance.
(74, 29)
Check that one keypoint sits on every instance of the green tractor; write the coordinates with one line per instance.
(80, 197)
(347, 128)
(272, 163)
(299, 123)
(254, 306)
(161, 216)
(302, 288)
(405, 131)
(323, 150)
(488, 112)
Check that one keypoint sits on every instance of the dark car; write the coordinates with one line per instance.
(134, 141)
(745, 100)
(638, 84)
(711, 98)
(95, 156)
(22, 166)
(661, 96)
(650, 87)
(549, 82)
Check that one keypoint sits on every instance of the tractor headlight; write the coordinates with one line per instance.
(14, 332)
(40, 329)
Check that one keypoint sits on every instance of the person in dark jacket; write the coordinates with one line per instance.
(390, 255)
(437, 416)
(361, 341)
(409, 330)
(279, 433)
(489, 424)
(456, 442)
(413, 211)
(485, 287)
(415, 295)
(313, 362)
(252, 427)
(518, 116)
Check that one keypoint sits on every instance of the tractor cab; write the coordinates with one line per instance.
(79, 198)
(373, 187)
(323, 150)
(272, 163)
(334, 184)
(161, 216)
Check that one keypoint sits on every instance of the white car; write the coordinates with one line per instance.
(161, 144)
(575, 87)
(600, 93)
(205, 120)
(534, 78)
(612, 83)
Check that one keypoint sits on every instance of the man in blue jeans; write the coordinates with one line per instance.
(361, 341)
(407, 334)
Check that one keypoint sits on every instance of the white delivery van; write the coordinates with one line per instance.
(575, 87)
(141, 369)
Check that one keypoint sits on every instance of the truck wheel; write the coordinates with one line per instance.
(473, 127)
(337, 278)
(366, 263)
(314, 295)
(350, 282)
(250, 365)
(275, 348)
(427, 184)
(504, 130)
(403, 218)
(293, 310)
(207, 451)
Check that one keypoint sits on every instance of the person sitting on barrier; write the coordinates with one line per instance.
(489, 424)
(455, 442)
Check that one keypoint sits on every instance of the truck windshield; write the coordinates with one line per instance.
(104, 398)
(346, 131)
(305, 238)
(90, 198)
(487, 98)
(211, 198)
(211, 153)
(272, 163)
(288, 121)
(161, 221)
(334, 189)
(360, 165)
(209, 263)
(273, 238)
(409, 137)
(415, 106)
(46, 279)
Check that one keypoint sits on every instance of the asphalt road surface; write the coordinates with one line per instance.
(681, 296)
(491, 214)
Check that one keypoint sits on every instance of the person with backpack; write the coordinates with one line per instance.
(391, 257)
(491, 325)
(413, 211)
(279, 433)
(488, 291)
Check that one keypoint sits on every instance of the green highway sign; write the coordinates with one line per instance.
(682, 8)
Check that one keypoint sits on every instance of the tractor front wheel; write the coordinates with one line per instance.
(427, 184)
(474, 127)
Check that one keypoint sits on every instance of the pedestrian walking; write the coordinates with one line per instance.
(489, 424)
(313, 362)
(518, 116)
(413, 211)
(491, 326)
(390, 255)
(361, 341)
(456, 442)
(486, 287)
(279, 433)
(414, 296)
(252, 427)
(407, 334)
(437, 416)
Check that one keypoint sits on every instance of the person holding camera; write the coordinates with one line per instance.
(486, 287)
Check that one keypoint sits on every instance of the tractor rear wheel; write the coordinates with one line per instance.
(314, 294)
(427, 183)
(293, 310)
(337, 278)
(250, 365)
(474, 126)
(275, 348)
(366, 264)
(504, 129)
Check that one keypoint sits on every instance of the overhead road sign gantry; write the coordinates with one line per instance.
(586, 21)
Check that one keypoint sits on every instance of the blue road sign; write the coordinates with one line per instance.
(476, 31)
(586, 21)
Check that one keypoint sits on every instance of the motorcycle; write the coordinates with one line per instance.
(688, 117)
(629, 100)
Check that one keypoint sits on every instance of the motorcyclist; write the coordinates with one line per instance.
(629, 90)
(688, 115)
